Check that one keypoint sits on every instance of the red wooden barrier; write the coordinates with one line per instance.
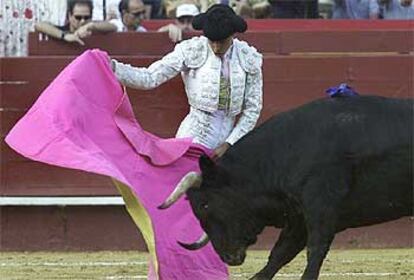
(267, 42)
(95, 228)
(142, 43)
(346, 41)
(288, 82)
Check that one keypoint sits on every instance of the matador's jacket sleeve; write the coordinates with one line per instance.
(157, 73)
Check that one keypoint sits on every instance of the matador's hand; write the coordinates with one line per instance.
(220, 150)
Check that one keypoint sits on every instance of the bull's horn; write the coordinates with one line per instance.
(200, 243)
(192, 179)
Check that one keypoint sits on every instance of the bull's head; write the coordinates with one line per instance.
(223, 212)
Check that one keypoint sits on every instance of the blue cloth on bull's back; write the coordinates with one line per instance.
(343, 90)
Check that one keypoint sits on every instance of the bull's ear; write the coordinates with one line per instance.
(206, 164)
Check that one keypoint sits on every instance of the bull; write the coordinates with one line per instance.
(316, 170)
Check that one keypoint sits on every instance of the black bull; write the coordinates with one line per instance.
(313, 171)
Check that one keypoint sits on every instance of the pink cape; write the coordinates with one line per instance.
(83, 120)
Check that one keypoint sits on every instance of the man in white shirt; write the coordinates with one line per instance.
(132, 13)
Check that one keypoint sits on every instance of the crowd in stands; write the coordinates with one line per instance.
(74, 20)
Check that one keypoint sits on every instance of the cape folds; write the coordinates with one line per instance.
(83, 120)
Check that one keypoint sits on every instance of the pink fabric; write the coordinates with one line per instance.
(84, 121)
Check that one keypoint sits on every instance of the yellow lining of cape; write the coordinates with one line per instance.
(141, 218)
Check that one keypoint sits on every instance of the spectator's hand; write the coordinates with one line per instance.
(85, 30)
(174, 32)
(71, 37)
(220, 150)
(406, 3)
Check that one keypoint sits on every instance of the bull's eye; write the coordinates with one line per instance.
(204, 206)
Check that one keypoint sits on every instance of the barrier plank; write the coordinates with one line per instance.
(276, 42)
(23, 95)
(128, 43)
(134, 44)
(310, 67)
(20, 176)
(347, 41)
(34, 178)
(46, 68)
(19, 69)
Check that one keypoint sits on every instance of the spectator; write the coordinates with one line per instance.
(79, 26)
(184, 16)
(397, 9)
(356, 9)
(295, 9)
(132, 13)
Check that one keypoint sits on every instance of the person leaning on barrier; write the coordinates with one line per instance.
(222, 77)
(79, 25)
(184, 16)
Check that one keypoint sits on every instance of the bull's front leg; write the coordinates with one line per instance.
(321, 200)
(291, 241)
(320, 237)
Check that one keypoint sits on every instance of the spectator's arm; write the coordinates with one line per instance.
(95, 26)
(49, 29)
(53, 31)
(174, 32)
(102, 26)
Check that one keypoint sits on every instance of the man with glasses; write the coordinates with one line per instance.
(79, 24)
(184, 16)
(132, 13)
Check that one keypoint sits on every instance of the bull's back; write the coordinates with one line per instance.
(330, 128)
(355, 124)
